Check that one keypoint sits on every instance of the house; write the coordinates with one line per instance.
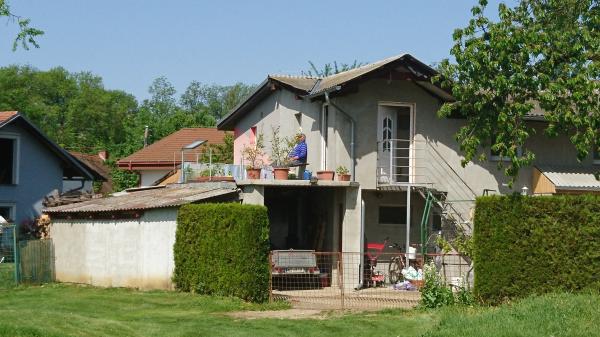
(408, 185)
(93, 163)
(125, 240)
(160, 158)
(31, 167)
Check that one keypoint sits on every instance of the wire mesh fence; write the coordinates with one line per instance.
(351, 280)
(7, 256)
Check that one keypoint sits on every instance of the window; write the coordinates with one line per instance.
(495, 155)
(7, 211)
(597, 156)
(8, 160)
(392, 215)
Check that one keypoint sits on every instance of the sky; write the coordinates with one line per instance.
(129, 43)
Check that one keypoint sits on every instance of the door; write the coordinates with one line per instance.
(386, 133)
(395, 146)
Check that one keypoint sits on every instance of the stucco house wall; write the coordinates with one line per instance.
(40, 173)
(136, 253)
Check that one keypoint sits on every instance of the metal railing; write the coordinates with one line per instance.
(418, 164)
(336, 280)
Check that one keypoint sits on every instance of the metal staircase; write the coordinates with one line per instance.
(418, 165)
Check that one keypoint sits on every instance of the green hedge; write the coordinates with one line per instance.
(223, 249)
(534, 245)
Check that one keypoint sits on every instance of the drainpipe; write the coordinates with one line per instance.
(352, 154)
(362, 245)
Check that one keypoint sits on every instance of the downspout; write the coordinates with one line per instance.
(361, 274)
(352, 123)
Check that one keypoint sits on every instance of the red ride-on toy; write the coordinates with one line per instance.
(373, 278)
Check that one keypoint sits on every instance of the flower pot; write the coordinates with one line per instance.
(343, 177)
(325, 175)
(281, 173)
(253, 173)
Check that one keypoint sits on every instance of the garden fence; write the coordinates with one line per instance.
(348, 280)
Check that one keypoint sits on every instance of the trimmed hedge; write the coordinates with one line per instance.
(535, 245)
(223, 249)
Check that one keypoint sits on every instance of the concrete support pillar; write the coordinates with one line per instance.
(253, 195)
(351, 239)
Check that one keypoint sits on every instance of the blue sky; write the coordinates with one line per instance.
(131, 42)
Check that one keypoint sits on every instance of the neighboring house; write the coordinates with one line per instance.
(155, 161)
(380, 121)
(31, 167)
(97, 165)
(125, 240)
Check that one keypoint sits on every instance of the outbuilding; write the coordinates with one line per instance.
(125, 240)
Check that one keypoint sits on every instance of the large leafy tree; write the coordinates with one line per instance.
(540, 52)
(27, 35)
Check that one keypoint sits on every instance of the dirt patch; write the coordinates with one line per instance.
(282, 314)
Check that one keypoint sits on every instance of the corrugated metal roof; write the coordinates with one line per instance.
(161, 197)
(305, 83)
(568, 178)
(332, 81)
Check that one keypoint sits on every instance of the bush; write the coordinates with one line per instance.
(435, 293)
(535, 245)
(223, 249)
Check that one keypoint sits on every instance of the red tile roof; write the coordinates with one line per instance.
(6, 115)
(167, 151)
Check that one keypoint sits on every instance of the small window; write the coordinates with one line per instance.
(7, 161)
(495, 156)
(392, 215)
(7, 212)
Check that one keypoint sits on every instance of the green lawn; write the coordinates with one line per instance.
(61, 310)
(7, 275)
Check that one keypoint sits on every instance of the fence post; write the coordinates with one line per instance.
(270, 278)
(341, 273)
(16, 254)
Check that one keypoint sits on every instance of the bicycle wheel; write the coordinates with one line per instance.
(395, 270)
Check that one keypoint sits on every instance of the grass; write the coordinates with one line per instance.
(61, 310)
(7, 275)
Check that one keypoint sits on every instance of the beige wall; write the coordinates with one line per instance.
(136, 253)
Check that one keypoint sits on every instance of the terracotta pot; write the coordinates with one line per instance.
(343, 177)
(281, 173)
(325, 175)
(253, 173)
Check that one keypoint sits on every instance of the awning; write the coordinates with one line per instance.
(565, 180)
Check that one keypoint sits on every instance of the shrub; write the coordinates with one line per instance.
(535, 245)
(223, 249)
(435, 293)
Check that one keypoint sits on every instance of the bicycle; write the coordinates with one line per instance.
(396, 265)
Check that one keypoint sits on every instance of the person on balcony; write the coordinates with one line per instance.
(299, 153)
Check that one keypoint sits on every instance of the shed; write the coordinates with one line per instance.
(125, 240)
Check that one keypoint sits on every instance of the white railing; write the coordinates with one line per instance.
(417, 163)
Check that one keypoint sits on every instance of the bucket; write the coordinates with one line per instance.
(412, 253)
(306, 175)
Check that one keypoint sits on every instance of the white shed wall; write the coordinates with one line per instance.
(136, 253)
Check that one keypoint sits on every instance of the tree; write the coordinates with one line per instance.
(27, 34)
(329, 69)
(544, 52)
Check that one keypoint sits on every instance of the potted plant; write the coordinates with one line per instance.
(325, 175)
(253, 154)
(342, 173)
(280, 151)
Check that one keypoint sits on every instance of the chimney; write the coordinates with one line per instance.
(103, 154)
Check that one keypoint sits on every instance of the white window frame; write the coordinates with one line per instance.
(13, 210)
(16, 153)
(324, 134)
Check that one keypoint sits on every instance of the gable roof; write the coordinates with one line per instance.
(313, 87)
(71, 166)
(166, 152)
